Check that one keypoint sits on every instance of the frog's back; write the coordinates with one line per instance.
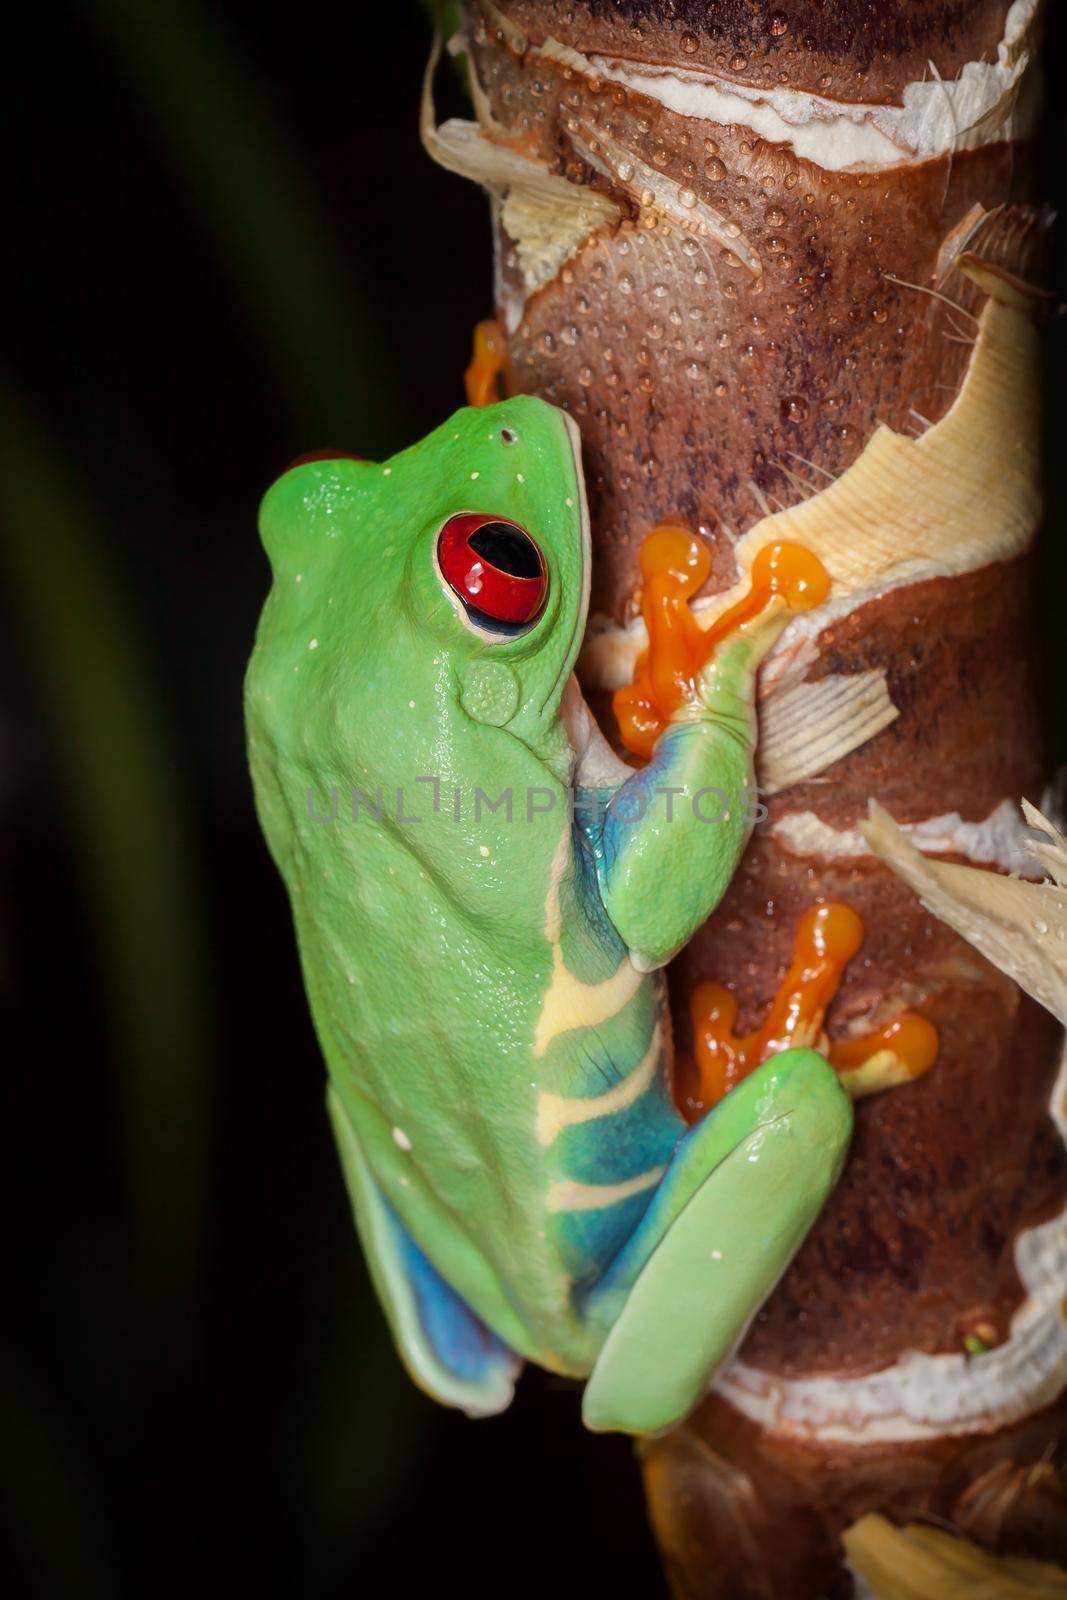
(504, 1074)
(492, 1048)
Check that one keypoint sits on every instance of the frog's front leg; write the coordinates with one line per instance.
(673, 834)
(740, 1193)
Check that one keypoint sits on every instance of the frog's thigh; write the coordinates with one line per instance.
(734, 1205)
(447, 1349)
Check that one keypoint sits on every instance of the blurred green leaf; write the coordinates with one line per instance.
(222, 136)
(133, 846)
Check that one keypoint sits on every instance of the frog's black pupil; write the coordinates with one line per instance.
(507, 549)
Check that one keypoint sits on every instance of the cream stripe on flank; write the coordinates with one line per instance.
(568, 1002)
(569, 1195)
(556, 1112)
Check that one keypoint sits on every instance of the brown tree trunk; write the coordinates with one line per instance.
(738, 241)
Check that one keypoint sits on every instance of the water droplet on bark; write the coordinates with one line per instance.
(794, 408)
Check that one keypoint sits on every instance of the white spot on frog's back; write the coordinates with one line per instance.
(372, 897)
(401, 1139)
(313, 644)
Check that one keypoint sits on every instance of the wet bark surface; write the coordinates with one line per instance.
(718, 371)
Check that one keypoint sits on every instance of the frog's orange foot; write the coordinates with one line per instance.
(674, 567)
(828, 936)
(484, 377)
(718, 1061)
(904, 1049)
(640, 722)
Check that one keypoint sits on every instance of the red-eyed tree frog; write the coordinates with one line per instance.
(483, 896)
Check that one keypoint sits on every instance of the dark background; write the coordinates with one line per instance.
(225, 247)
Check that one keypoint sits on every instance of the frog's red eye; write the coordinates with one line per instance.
(494, 567)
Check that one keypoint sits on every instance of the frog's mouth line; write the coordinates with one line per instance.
(574, 438)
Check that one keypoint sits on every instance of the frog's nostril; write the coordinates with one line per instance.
(507, 437)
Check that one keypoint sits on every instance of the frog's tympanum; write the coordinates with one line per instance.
(483, 895)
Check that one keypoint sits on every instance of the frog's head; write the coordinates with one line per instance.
(417, 599)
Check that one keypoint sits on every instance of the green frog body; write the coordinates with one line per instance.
(483, 896)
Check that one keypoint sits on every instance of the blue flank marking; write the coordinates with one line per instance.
(623, 1144)
(590, 811)
(589, 1240)
(460, 1340)
(634, 798)
(612, 1149)
(626, 1143)
(624, 1268)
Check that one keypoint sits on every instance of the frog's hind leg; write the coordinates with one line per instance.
(447, 1349)
(742, 1190)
